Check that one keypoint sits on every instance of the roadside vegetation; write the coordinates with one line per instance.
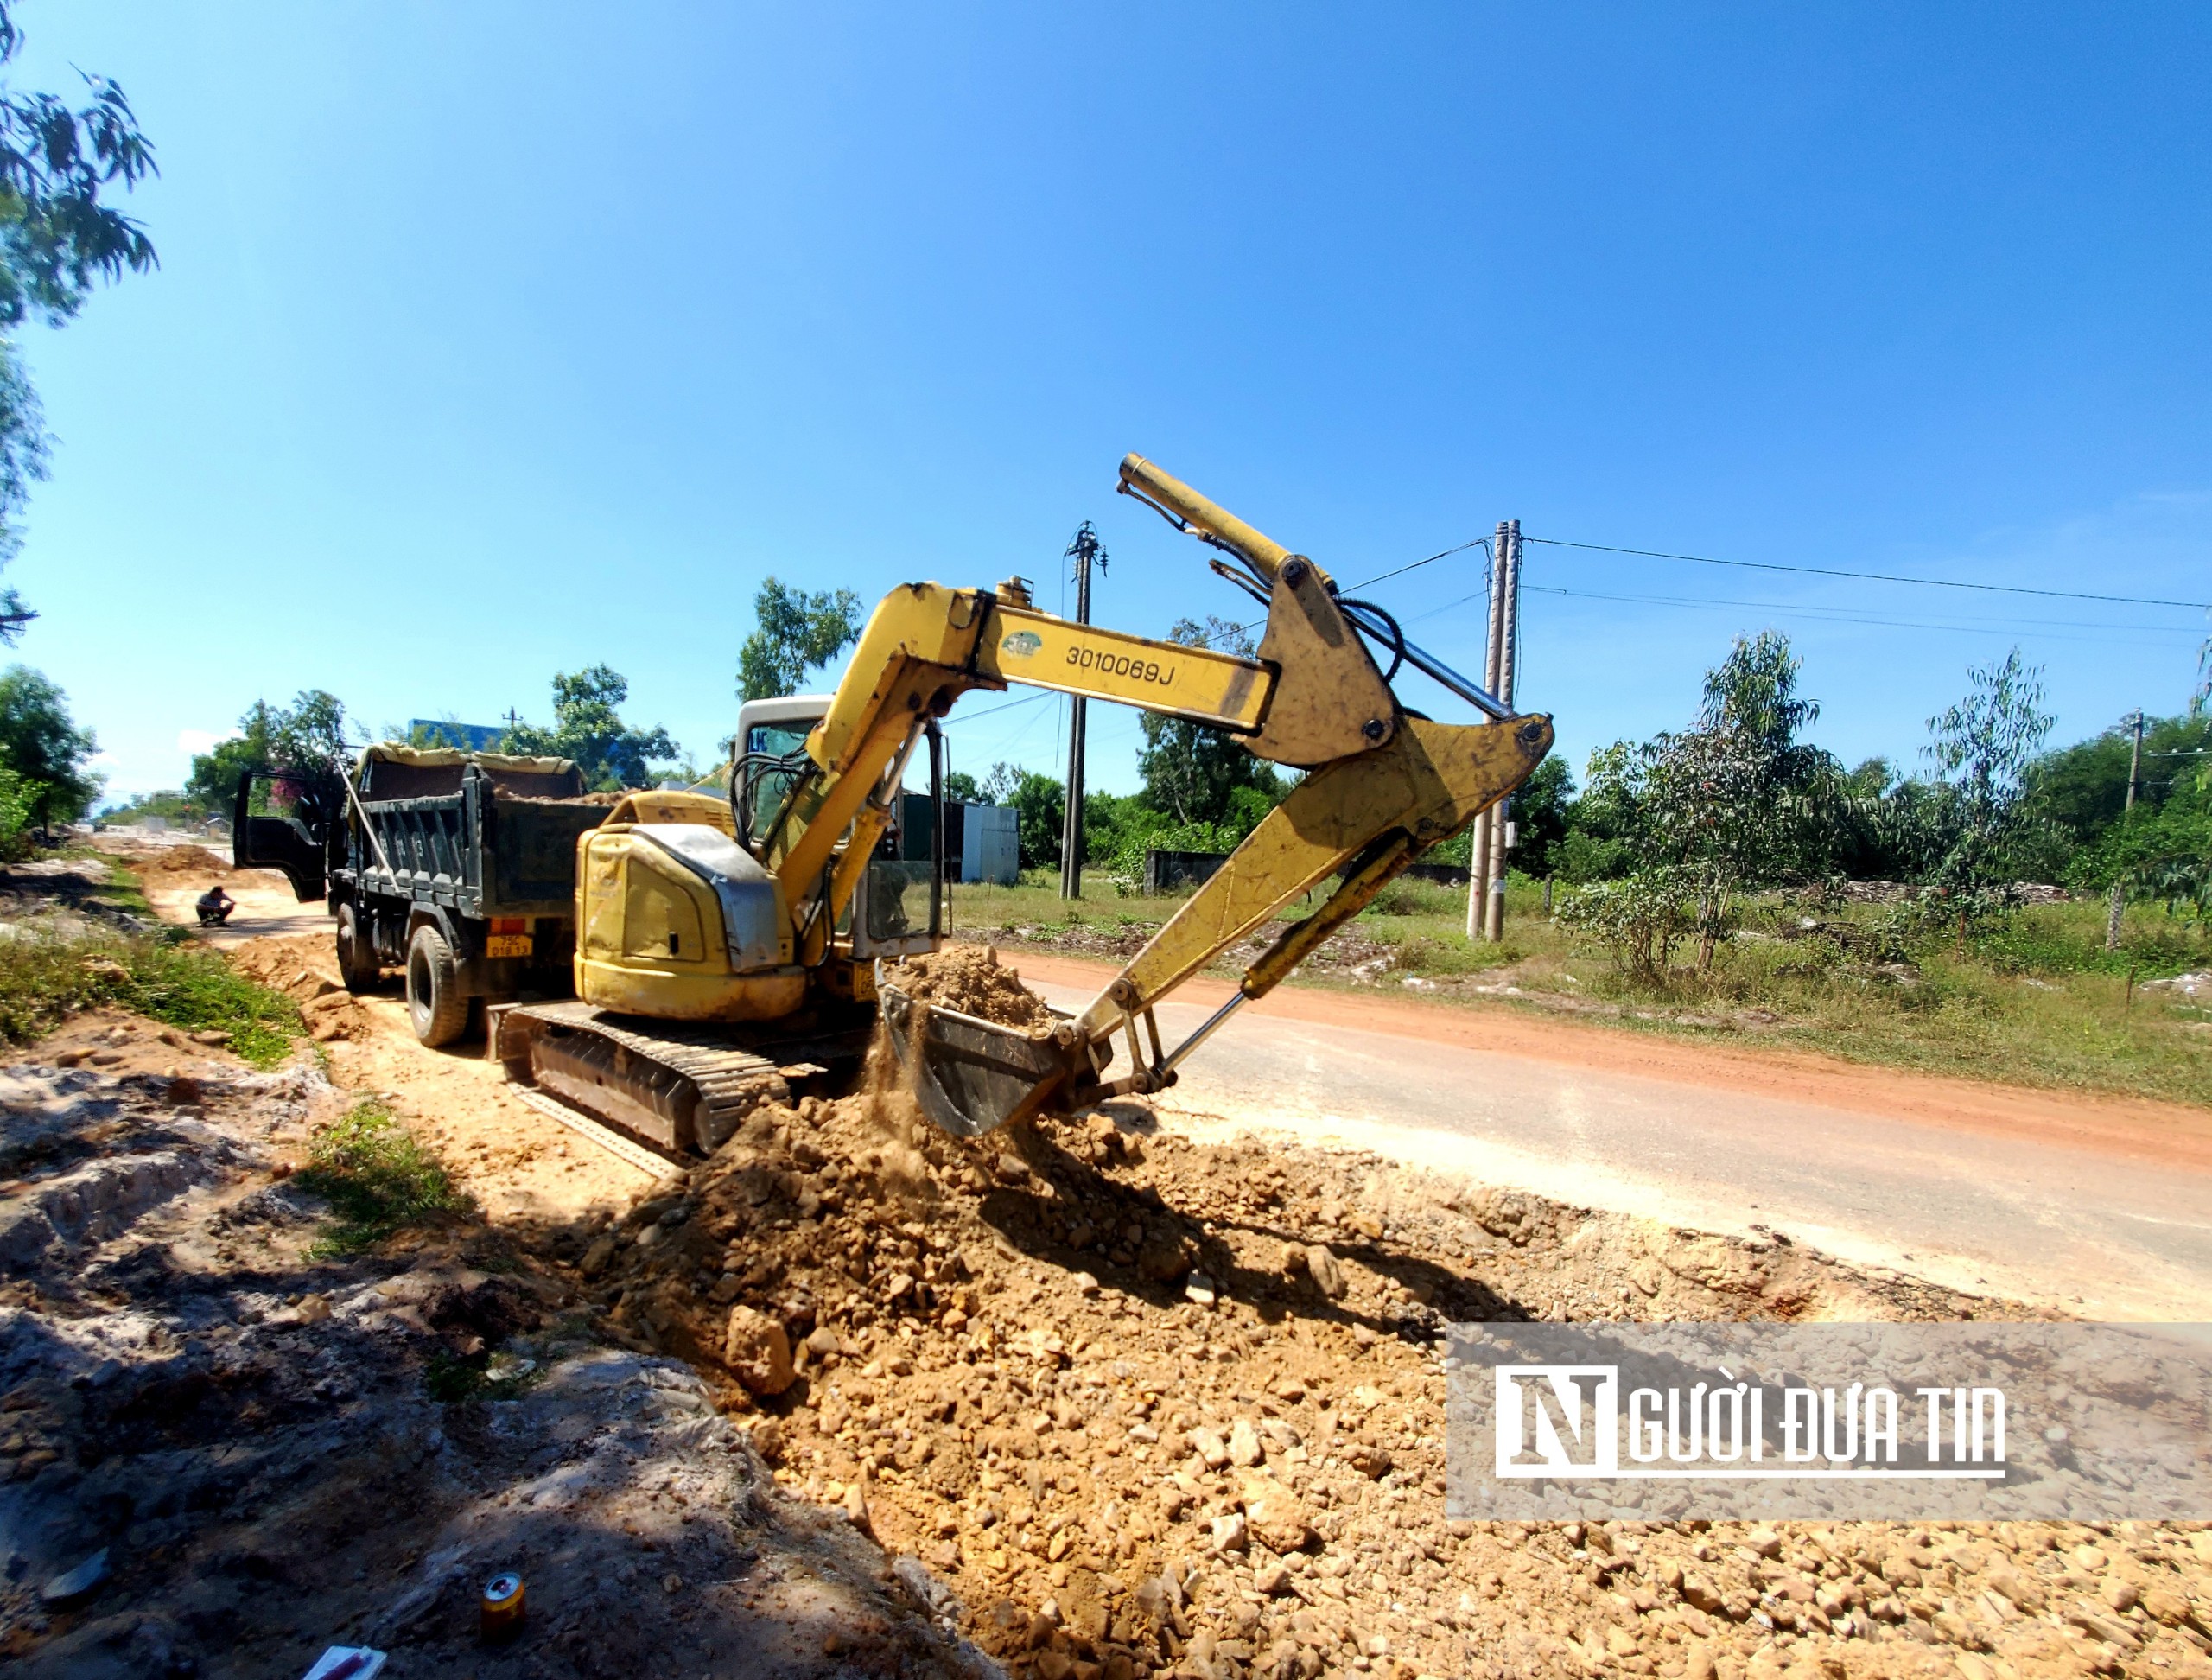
(1732, 880)
(99, 945)
(2035, 999)
(378, 1179)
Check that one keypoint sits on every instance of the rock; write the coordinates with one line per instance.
(2161, 1605)
(758, 1352)
(2122, 1595)
(1011, 1170)
(1272, 1580)
(1764, 1541)
(596, 1257)
(1244, 1447)
(1054, 1665)
(1619, 1642)
(1161, 1259)
(1230, 1532)
(1371, 1461)
(1699, 1664)
(824, 1341)
(1198, 1288)
(77, 1583)
(1701, 1594)
(1208, 1446)
(856, 1511)
(1280, 1518)
(1328, 1277)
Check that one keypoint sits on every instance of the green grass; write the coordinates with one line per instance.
(378, 1179)
(2035, 1000)
(197, 991)
(44, 980)
(45, 975)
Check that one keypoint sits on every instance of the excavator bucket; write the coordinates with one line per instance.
(972, 1076)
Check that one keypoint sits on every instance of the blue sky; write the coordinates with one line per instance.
(496, 339)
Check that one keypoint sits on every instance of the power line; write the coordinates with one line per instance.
(1878, 577)
(1479, 542)
(2052, 628)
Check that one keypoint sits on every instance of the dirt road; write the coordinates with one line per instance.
(2098, 1206)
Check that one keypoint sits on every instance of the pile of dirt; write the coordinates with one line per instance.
(969, 979)
(301, 966)
(1144, 1406)
(225, 1451)
(181, 860)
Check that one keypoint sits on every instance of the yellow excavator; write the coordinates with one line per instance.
(727, 948)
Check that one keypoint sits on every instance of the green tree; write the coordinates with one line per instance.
(2163, 852)
(1738, 803)
(1539, 810)
(307, 738)
(42, 743)
(796, 631)
(1196, 775)
(1982, 749)
(959, 784)
(588, 727)
(58, 238)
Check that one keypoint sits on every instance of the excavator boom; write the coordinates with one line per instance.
(714, 940)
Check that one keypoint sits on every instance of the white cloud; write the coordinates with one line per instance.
(196, 741)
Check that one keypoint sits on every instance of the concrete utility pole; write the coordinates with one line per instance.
(1479, 857)
(1083, 550)
(2135, 771)
(1501, 828)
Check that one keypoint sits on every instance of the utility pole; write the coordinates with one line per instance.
(1500, 836)
(2134, 771)
(1083, 551)
(1479, 857)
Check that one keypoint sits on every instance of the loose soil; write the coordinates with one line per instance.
(1114, 1403)
(969, 979)
(245, 1450)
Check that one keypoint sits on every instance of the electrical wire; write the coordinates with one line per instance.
(1367, 582)
(2051, 628)
(1876, 578)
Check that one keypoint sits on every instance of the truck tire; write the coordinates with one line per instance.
(434, 1003)
(357, 958)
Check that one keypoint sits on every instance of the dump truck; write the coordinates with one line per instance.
(718, 939)
(457, 867)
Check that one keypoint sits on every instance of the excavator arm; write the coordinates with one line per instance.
(1383, 786)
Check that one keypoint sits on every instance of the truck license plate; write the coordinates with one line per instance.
(506, 945)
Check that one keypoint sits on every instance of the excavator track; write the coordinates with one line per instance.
(681, 1089)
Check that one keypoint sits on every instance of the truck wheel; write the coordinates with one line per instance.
(434, 1003)
(357, 958)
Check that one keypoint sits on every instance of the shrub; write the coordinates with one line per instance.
(1639, 920)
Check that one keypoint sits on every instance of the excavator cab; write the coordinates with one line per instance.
(900, 908)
